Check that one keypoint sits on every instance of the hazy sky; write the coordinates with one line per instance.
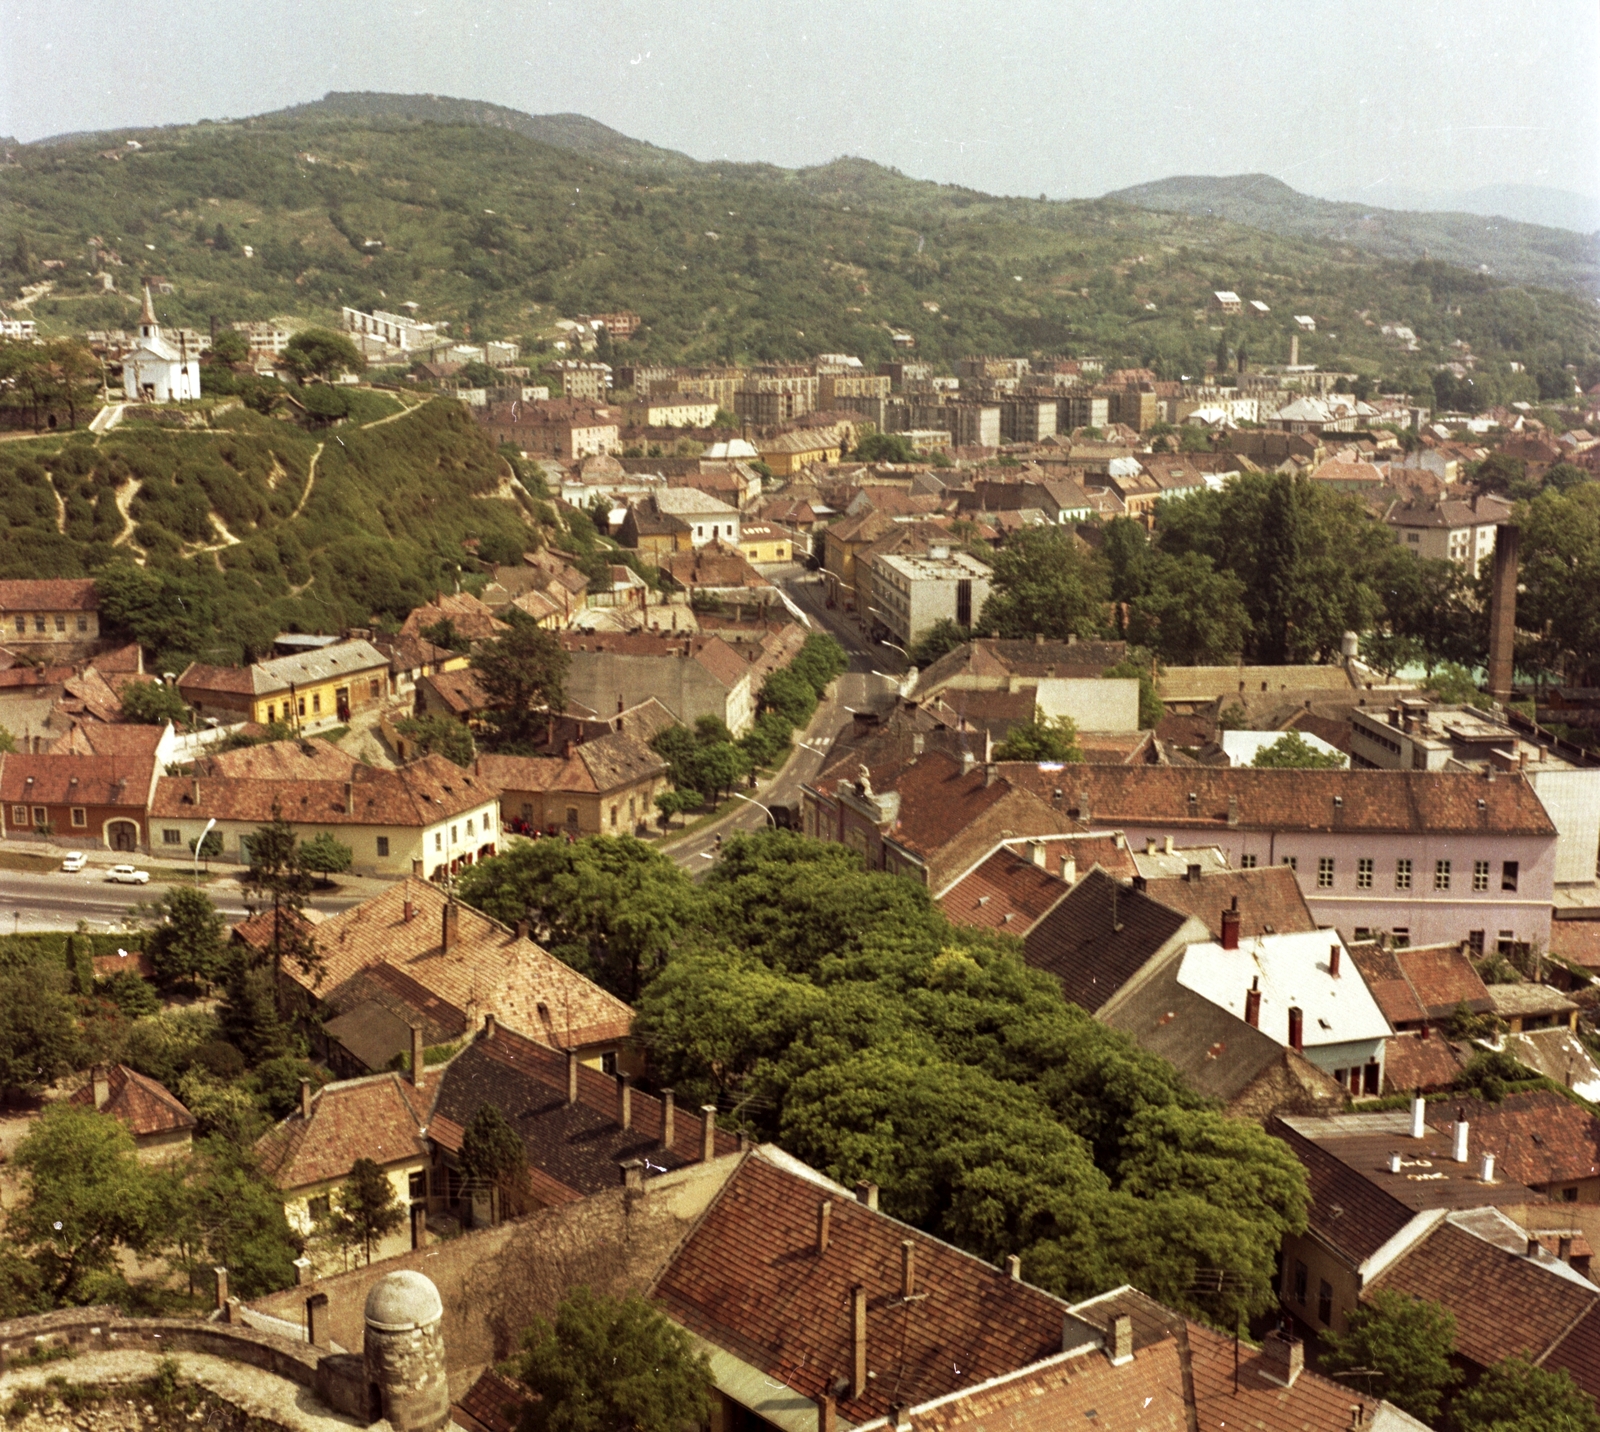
(1068, 98)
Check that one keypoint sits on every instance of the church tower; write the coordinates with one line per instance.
(148, 327)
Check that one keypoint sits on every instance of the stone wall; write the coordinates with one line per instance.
(494, 1281)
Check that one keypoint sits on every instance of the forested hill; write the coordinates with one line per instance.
(500, 234)
(1518, 252)
(207, 542)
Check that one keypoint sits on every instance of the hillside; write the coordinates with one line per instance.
(219, 538)
(499, 234)
(1517, 252)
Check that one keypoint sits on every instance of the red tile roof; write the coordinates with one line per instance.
(750, 1280)
(1576, 940)
(146, 1107)
(1538, 1138)
(494, 1403)
(1269, 899)
(49, 595)
(1413, 1065)
(1313, 1404)
(1504, 1303)
(380, 1117)
(77, 780)
(1008, 892)
(1578, 1353)
(1425, 982)
(1379, 802)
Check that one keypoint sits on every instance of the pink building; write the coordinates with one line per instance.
(1426, 856)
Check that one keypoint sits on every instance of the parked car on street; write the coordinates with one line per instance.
(128, 875)
(74, 862)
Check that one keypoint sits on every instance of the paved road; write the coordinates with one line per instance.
(870, 682)
(58, 901)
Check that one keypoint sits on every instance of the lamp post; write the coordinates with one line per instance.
(748, 801)
(198, 845)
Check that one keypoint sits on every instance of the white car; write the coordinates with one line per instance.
(128, 875)
(74, 862)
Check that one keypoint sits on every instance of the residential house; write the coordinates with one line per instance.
(692, 676)
(1364, 479)
(1449, 529)
(607, 786)
(564, 428)
(909, 594)
(709, 519)
(428, 817)
(994, 663)
(471, 620)
(310, 691)
(457, 694)
(413, 657)
(475, 967)
(1411, 853)
(1225, 302)
(648, 529)
(1421, 986)
(308, 1157)
(95, 801)
(1013, 887)
(49, 612)
(675, 412)
(160, 1125)
(765, 542)
(716, 567)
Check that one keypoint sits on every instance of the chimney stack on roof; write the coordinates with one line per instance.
(1119, 1340)
(1333, 960)
(305, 1098)
(908, 1268)
(1069, 870)
(1014, 1267)
(349, 797)
(708, 1132)
(102, 1086)
(418, 1061)
(1297, 1037)
(408, 912)
(572, 1076)
(1285, 1358)
(1252, 1004)
(1533, 1246)
(1230, 927)
(824, 1225)
(1486, 1169)
(827, 1414)
(625, 1101)
(867, 1193)
(858, 1342)
(449, 935)
(633, 1175)
(1460, 1151)
(668, 1111)
(1419, 1117)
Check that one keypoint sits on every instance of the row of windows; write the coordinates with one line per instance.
(41, 816)
(38, 624)
(1324, 1293)
(1366, 869)
(1506, 942)
(455, 831)
(171, 835)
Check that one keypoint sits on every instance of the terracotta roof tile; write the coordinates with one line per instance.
(1313, 1404)
(1578, 1353)
(1412, 1064)
(1008, 892)
(535, 773)
(77, 780)
(145, 1106)
(380, 1117)
(70, 594)
(1504, 1303)
(308, 759)
(1269, 899)
(1538, 1137)
(750, 1281)
(1576, 940)
(494, 1403)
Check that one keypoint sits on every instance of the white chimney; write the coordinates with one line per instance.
(1461, 1140)
(1394, 1163)
(1486, 1172)
(1419, 1112)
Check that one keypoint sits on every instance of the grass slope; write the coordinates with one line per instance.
(500, 233)
(222, 546)
(1521, 253)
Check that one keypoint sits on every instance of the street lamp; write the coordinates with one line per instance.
(198, 846)
(748, 801)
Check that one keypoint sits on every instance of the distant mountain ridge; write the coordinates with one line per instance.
(1506, 248)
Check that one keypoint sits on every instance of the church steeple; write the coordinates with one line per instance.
(148, 328)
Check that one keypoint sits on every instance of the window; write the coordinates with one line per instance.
(1324, 1302)
(316, 701)
(455, 834)
(300, 705)
(83, 623)
(608, 1063)
(1508, 875)
(613, 817)
(1370, 1077)
(272, 714)
(1361, 934)
(417, 1185)
(318, 1208)
(1505, 942)
(38, 625)
(1292, 861)
(22, 626)
(61, 623)
(469, 825)
(373, 689)
(438, 840)
(1364, 873)
(1402, 875)
(1441, 875)
(1480, 875)
(1301, 1279)
(1324, 872)
(383, 845)
(1475, 941)
(19, 815)
(80, 817)
(1569, 1195)
(1413, 537)
(1247, 862)
(1401, 935)
(41, 816)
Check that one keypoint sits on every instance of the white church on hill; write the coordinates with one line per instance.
(155, 371)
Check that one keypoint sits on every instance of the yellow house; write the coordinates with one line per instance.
(789, 453)
(310, 1154)
(310, 691)
(762, 542)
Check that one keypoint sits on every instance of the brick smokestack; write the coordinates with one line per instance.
(1252, 1003)
(1297, 1038)
(1503, 611)
(668, 1108)
(1230, 926)
(449, 937)
(417, 1059)
(858, 1342)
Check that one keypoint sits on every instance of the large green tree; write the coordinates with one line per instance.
(1559, 562)
(1291, 751)
(1407, 1342)
(152, 703)
(321, 353)
(37, 1039)
(1187, 612)
(1516, 1396)
(1042, 738)
(187, 948)
(365, 1208)
(613, 1365)
(523, 671)
(1045, 583)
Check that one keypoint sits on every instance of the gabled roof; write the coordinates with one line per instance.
(750, 1281)
(1412, 1064)
(1504, 1303)
(145, 1106)
(1100, 936)
(1269, 899)
(1422, 982)
(1008, 892)
(573, 1149)
(380, 1117)
(76, 780)
(49, 594)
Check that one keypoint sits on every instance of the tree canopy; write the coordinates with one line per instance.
(1407, 1342)
(1292, 751)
